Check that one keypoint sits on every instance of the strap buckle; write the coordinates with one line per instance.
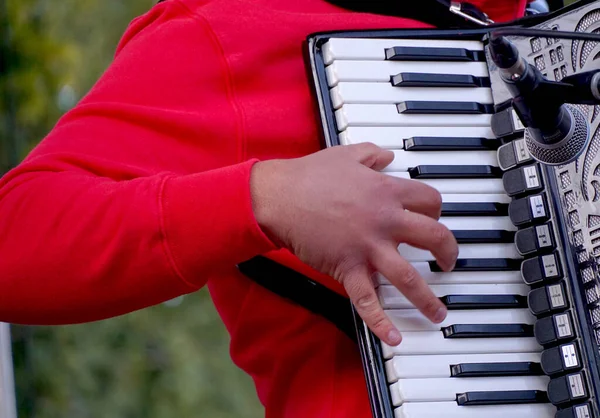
(470, 12)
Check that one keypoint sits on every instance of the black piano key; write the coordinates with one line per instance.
(411, 53)
(431, 143)
(463, 302)
(501, 397)
(481, 264)
(484, 236)
(496, 369)
(454, 172)
(414, 107)
(438, 80)
(474, 209)
(488, 331)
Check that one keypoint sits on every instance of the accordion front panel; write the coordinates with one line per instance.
(520, 338)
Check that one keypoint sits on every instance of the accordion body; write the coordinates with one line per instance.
(522, 336)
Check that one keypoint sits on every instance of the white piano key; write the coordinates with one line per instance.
(454, 198)
(410, 367)
(457, 277)
(470, 223)
(414, 320)
(377, 93)
(374, 49)
(453, 410)
(391, 298)
(387, 115)
(393, 137)
(381, 71)
(427, 390)
(508, 250)
(433, 342)
(457, 186)
(403, 160)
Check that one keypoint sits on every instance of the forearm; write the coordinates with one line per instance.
(78, 247)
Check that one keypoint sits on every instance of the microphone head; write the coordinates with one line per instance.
(565, 150)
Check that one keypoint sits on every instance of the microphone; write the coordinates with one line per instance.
(556, 133)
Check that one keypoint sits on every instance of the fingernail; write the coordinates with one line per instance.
(394, 337)
(440, 315)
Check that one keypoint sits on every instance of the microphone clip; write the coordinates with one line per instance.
(543, 98)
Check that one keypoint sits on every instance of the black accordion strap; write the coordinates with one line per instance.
(301, 290)
(434, 12)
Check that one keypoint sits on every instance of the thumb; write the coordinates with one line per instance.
(369, 155)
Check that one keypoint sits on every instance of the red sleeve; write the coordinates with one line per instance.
(139, 193)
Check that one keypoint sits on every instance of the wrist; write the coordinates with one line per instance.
(267, 196)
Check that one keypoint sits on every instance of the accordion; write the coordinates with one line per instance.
(522, 335)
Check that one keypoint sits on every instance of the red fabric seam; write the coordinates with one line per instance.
(229, 82)
(163, 234)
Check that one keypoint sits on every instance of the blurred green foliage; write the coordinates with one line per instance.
(167, 361)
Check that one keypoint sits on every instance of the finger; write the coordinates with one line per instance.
(370, 155)
(361, 291)
(423, 232)
(404, 276)
(418, 197)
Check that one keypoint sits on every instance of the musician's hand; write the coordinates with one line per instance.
(340, 215)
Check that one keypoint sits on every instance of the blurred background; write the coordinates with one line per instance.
(168, 361)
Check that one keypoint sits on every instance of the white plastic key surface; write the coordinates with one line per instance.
(413, 320)
(471, 223)
(427, 390)
(453, 410)
(455, 198)
(392, 298)
(457, 277)
(377, 93)
(508, 250)
(393, 137)
(411, 367)
(380, 71)
(403, 160)
(433, 342)
(387, 115)
(457, 186)
(374, 49)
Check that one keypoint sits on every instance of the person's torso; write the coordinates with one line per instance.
(303, 366)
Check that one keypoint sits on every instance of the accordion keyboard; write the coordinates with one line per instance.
(431, 103)
(523, 328)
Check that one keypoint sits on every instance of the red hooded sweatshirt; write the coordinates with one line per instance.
(141, 192)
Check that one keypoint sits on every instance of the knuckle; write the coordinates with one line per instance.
(440, 235)
(379, 321)
(433, 198)
(410, 278)
(430, 305)
(436, 199)
(348, 267)
(367, 302)
(368, 147)
(387, 185)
